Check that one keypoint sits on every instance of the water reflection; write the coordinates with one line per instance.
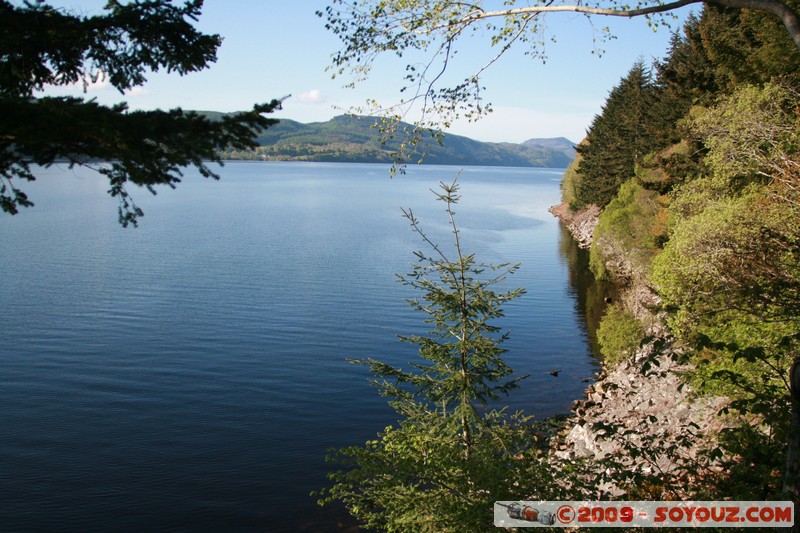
(591, 295)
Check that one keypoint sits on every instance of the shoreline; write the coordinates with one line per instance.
(580, 223)
(643, 397)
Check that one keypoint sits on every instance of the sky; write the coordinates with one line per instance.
(280, 48)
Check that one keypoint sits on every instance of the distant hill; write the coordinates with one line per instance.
(554, 152)
(353, 139)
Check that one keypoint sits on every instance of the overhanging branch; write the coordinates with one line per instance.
(788, 16)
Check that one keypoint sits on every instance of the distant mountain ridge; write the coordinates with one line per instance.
(350, 138)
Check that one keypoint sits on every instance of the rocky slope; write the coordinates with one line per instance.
(581, 223)
(644, 398)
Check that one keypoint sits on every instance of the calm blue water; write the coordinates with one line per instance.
(191, 374)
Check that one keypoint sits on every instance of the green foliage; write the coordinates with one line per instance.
(414, 477)
(724, 246)
(42, 45)
(752, 135)
(730, 273)
(664, 170)
(450, 457)
(746, 46)
(146, 148)
(465, 368)
(696, 71)
(570, 182)
(733, 249)
(638, 132)
(619, 137)
(619, 334)
(687, 76)
(634, 224)
(370, 29)
(758, 426)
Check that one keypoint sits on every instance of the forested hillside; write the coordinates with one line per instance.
(695, 162)
(348, 138)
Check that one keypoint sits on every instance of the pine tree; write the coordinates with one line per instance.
(465, 369)
(43, 46)
(620, 136)
(686, 77)
(746, 47)
(450, 456)
(687, 74)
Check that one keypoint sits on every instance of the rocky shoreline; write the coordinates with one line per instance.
(580, 223)
(643, 398)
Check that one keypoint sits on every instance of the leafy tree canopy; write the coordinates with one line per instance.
(369, 29)
(730, 273)
(43, 46)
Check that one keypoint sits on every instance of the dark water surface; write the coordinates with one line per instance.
(190, 374)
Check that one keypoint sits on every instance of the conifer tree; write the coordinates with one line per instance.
(686, 77)
(746, 47)
(620, 136)
(687, 74)
(369, 29)
(42, 46)
(465, 369)
(450, 456)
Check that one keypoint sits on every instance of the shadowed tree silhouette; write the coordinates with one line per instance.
(43, 46)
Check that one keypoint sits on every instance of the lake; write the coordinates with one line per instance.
(191, 373)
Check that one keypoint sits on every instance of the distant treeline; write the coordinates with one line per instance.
(350, 138)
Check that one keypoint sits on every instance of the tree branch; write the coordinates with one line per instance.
(583, 9)
(788, 16)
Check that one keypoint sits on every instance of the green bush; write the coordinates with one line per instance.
(619, 334)
(633, 224)
(662, 171)
(570, 183)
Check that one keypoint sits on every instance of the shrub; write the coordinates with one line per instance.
(619, 334)
(633, 225)
(571, 183)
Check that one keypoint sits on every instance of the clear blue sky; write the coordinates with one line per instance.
(274, 48)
